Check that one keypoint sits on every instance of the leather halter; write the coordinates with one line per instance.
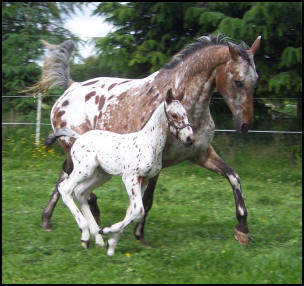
(171, 123)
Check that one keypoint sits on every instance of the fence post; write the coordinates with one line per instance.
(39, 101)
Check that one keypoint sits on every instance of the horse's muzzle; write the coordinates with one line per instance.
(244, 127)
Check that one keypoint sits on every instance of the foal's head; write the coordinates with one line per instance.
(177, 118)
(235, 80)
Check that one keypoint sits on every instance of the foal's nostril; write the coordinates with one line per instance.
(190, 140)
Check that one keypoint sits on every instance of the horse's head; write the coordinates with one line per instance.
(177, 118)
(236, 80)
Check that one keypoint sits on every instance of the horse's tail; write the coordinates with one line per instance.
(55, 70)
(58, 133)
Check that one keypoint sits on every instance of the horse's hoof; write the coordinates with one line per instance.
(241, 237)
(85, 244)
(144, 243)
(46, 226)
(101, 231)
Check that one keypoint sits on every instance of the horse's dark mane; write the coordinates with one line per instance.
(206, 41)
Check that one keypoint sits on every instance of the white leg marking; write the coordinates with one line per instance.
(241, 210)
(234, 181)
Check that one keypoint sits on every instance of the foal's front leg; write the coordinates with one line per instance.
(212, 161)
(135, 212)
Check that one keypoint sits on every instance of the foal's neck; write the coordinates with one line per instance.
(157, 128)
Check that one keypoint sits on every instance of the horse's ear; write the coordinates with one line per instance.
(256, 44)
(169, 96)
(233, 52)
(181, 96)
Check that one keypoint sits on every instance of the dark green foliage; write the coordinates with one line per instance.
(94, 66)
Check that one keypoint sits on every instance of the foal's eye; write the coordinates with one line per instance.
(238, 83)
(174, 115)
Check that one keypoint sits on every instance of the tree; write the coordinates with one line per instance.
(93, 66)
(23, 24)
(147, 35)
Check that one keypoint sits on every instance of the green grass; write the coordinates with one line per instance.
(190, 226)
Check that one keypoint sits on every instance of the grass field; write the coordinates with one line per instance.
(190, 226)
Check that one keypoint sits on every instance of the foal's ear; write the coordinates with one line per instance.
(181, 96)
(169, 96)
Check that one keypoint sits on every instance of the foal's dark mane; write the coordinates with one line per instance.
(206, 41)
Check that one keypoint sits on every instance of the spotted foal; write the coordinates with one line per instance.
(136, 157)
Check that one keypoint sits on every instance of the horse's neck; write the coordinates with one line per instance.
(197, 76)
(156, 129)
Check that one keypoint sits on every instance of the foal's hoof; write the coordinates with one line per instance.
(85, 244)
(99, 241)
(241, 237)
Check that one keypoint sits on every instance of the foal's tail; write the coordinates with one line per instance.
(55, 70)
(58, 133)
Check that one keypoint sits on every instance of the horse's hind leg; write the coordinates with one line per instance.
(49, 208)
(212, 161)
(147, 202)
(92, 201)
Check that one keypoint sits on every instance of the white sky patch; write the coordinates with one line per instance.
(86, 27)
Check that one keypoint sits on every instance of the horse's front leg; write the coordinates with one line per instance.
(212, 161)
(147, 202)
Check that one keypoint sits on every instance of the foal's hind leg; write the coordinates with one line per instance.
(215, 163)
(66, 188)
(49, 208)
(82, 192)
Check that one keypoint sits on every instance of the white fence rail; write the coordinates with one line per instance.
(38, 117)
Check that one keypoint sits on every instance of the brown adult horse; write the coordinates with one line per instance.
(125, 105)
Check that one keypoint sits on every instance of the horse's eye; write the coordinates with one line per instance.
(238, 83)
(174, 115)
